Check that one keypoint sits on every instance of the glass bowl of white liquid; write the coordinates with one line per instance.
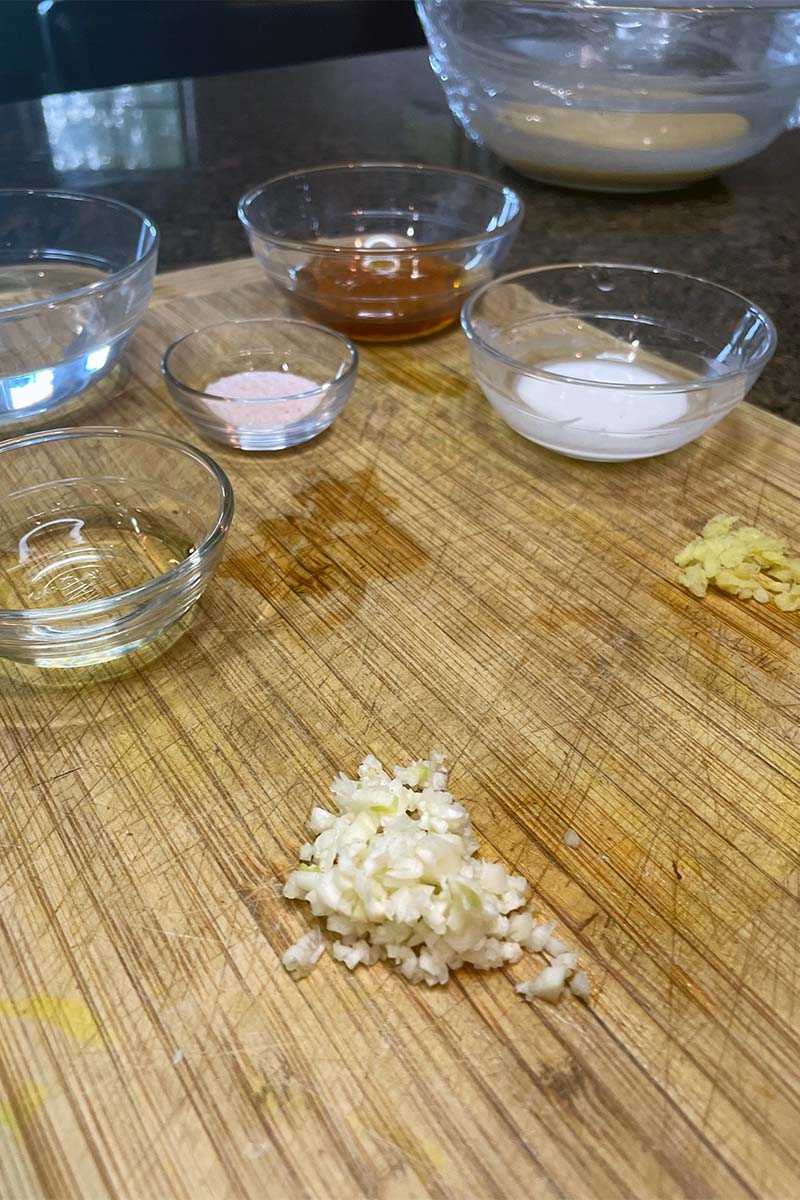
(611, 362)
(76, 272)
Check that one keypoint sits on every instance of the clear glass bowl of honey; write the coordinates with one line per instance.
(380, 251)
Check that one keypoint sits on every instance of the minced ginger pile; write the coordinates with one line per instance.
(745, 562)
(394, 874)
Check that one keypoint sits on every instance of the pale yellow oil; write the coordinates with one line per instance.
(66, 559)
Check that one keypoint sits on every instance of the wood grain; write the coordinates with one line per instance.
(418, 576)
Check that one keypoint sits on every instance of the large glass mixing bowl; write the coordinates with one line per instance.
(618, 97)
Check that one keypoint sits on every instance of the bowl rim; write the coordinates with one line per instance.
(350, 356)
(477, 239)
(153, 586)
(698, 6)
(759, 361)
(11, 312)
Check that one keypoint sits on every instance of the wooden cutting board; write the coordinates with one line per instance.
(419, 576)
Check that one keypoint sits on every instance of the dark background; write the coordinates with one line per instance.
(51, 46)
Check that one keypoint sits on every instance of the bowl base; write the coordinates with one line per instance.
(606, 458)
(369, 328)
(397, 333)
(590, 181)
(259, 440)
(130, 655)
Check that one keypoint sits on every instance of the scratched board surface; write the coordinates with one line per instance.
(419, 576)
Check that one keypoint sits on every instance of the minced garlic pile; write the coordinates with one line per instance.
(394, 875)
(745, 562)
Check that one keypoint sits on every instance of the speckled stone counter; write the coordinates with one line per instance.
(185, 150)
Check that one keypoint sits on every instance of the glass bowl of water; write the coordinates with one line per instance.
(76, 274)
(610, 362)
(636, 96)
(107, 538)
(261, 384)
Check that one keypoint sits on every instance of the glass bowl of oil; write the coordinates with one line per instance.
(107, 538)
(380, 251)
(76, 272)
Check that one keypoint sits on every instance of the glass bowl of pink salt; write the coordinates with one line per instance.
(261, 384)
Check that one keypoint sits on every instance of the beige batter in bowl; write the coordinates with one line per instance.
(591, 146)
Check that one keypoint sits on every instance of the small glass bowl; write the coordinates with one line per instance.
(107, 537)
(76, 272)
(610, 362)
(320, 367)
(380, 251)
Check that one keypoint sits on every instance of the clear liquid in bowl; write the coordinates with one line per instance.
(42, 279)
(48, 356)
(72, 557)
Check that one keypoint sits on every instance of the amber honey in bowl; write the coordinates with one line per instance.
(390, 292)
(380, 251)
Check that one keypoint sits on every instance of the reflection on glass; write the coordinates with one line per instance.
(26, 390)
(132, 127)
(97, 358)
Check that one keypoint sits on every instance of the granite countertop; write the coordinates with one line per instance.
(185, 150)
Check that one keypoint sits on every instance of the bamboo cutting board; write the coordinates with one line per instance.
(418, 576)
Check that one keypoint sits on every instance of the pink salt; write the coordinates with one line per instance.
(242, 411)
